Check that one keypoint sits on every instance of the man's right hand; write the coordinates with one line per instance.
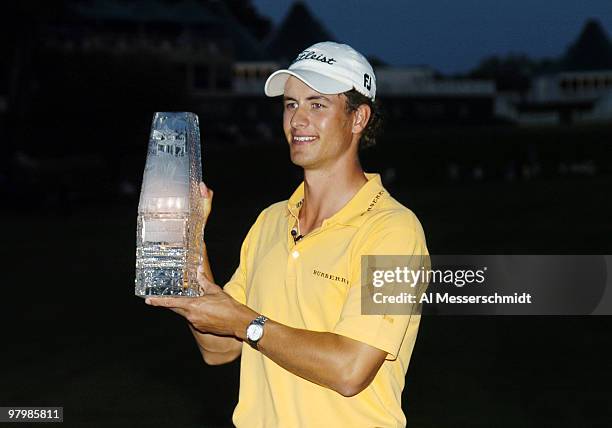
(206, 286)
(207, 198)
(215, 349)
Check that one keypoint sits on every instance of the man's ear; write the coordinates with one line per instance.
(361, 118)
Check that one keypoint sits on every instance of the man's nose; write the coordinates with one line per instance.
(299, 119)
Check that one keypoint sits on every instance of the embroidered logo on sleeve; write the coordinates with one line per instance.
(375, 200)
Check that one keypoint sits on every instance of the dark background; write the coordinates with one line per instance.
(75, 132)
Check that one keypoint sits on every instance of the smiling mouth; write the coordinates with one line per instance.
(303, 139)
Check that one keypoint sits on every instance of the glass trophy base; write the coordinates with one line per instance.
(165, 292)
(160, 270)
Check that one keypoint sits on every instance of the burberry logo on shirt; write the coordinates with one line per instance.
(328, 276)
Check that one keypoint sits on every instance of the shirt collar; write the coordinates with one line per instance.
(365, 200)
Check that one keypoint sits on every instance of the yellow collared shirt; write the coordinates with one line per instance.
(315, 284)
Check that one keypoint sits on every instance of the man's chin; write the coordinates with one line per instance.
(301, 162)
(297, 161)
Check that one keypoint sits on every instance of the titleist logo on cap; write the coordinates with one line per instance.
(314, 55)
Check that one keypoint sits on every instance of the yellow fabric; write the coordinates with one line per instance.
(315, 285)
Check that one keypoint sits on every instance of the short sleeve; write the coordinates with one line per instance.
(382, 331)
(236, 286)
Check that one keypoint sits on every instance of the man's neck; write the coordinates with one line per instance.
(326, 192)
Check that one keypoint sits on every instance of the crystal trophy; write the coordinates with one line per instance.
(170, 221)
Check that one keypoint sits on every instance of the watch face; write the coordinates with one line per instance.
(254, 332)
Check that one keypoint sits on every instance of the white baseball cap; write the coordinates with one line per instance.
(328, 68)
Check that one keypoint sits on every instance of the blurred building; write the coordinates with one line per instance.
(577, 90)
(218, 59)
(201, 38)
(568, 97)
(419, 95)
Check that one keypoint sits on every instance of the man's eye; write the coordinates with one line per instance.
(290, 106)
(317, 106)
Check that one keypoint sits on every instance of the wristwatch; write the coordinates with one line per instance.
(255, 330)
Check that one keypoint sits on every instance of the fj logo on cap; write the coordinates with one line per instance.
(314, 55)
(367, 81)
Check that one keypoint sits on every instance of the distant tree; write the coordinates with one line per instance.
(244, 11)
(376, 61)
(286, 41)
(591, 51)
(511, 73)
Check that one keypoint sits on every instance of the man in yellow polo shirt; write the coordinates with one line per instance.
(292, 309)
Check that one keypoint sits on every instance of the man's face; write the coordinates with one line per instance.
(317, 126)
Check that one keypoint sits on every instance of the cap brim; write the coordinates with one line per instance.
(275, 85)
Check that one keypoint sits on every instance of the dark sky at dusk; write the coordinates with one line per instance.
(451, 35)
